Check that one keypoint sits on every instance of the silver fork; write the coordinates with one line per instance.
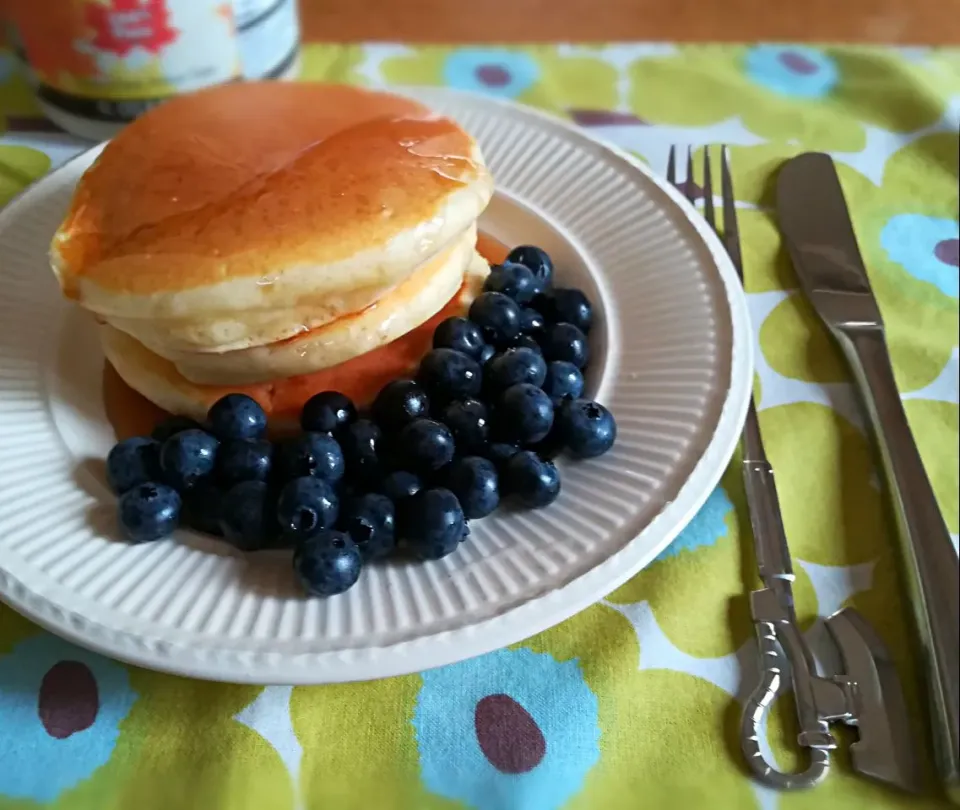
(868, 695)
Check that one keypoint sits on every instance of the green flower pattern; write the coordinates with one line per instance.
(635, 698)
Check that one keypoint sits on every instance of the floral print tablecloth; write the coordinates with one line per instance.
(634, 702)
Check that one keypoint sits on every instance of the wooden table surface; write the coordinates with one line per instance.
(876, 21)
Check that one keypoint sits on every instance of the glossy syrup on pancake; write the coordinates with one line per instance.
(493, 250)
(132, 414)
(129, 412)
(227, 183)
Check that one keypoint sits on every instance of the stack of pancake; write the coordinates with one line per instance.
(277, 240)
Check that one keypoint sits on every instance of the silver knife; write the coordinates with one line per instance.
(816, 225)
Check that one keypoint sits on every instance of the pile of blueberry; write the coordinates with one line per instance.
(494, 402)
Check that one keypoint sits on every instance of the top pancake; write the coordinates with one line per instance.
(265, 195)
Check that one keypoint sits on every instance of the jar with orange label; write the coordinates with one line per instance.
(97, 64)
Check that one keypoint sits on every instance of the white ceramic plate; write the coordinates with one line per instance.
(672, 361)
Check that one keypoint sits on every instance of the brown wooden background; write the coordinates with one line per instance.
(876, 21)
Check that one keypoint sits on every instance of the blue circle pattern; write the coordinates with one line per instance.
(910, 241)
(708, 526)
(35, 765)
(770, 67)
(553, 693)
(463, 71)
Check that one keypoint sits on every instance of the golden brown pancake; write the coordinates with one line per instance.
(283, 399)
(264, 329)
(275, 239)
(265, 196)
(417, 299)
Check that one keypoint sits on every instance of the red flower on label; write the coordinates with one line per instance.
(124, 25)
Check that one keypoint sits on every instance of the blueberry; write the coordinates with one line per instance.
(468, 422)
(524, 414)
(243, 460)
(327, 562)
(474, 481)
(202, 508)
(460, 335)
(400, 485)
(570, 305)
(389, 457)
(237, 416)
(248, 516)
(175, 424)
(316, 454)
(527, 342)
(515, 366)
(149, 511)
(533, 481)
(426, 445)
(360, 442)
(513, 280)
(188, 458)
(532, 322)
(369, 521)
(564, 341)
(587, 428)
(447, 374)
(552, 445)
(399, 402)
(327, 412)
(563, 380)
(487, 353)
(432, 523)
(500, 453)
(307, 504)
(535, 260)
(543, 303)
(133, 462)
(497, 316)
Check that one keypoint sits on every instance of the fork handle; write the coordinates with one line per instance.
(931, 566)
(772, 665)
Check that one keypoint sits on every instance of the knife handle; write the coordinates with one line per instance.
(930, 562)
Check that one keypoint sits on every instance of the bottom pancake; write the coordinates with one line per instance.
(360, 378)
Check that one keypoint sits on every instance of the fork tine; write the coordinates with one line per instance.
(672, 166)
(689, 187)
(708, 212)
(731, 231)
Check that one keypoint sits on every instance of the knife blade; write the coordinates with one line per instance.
(822, 244)
(820, 239)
